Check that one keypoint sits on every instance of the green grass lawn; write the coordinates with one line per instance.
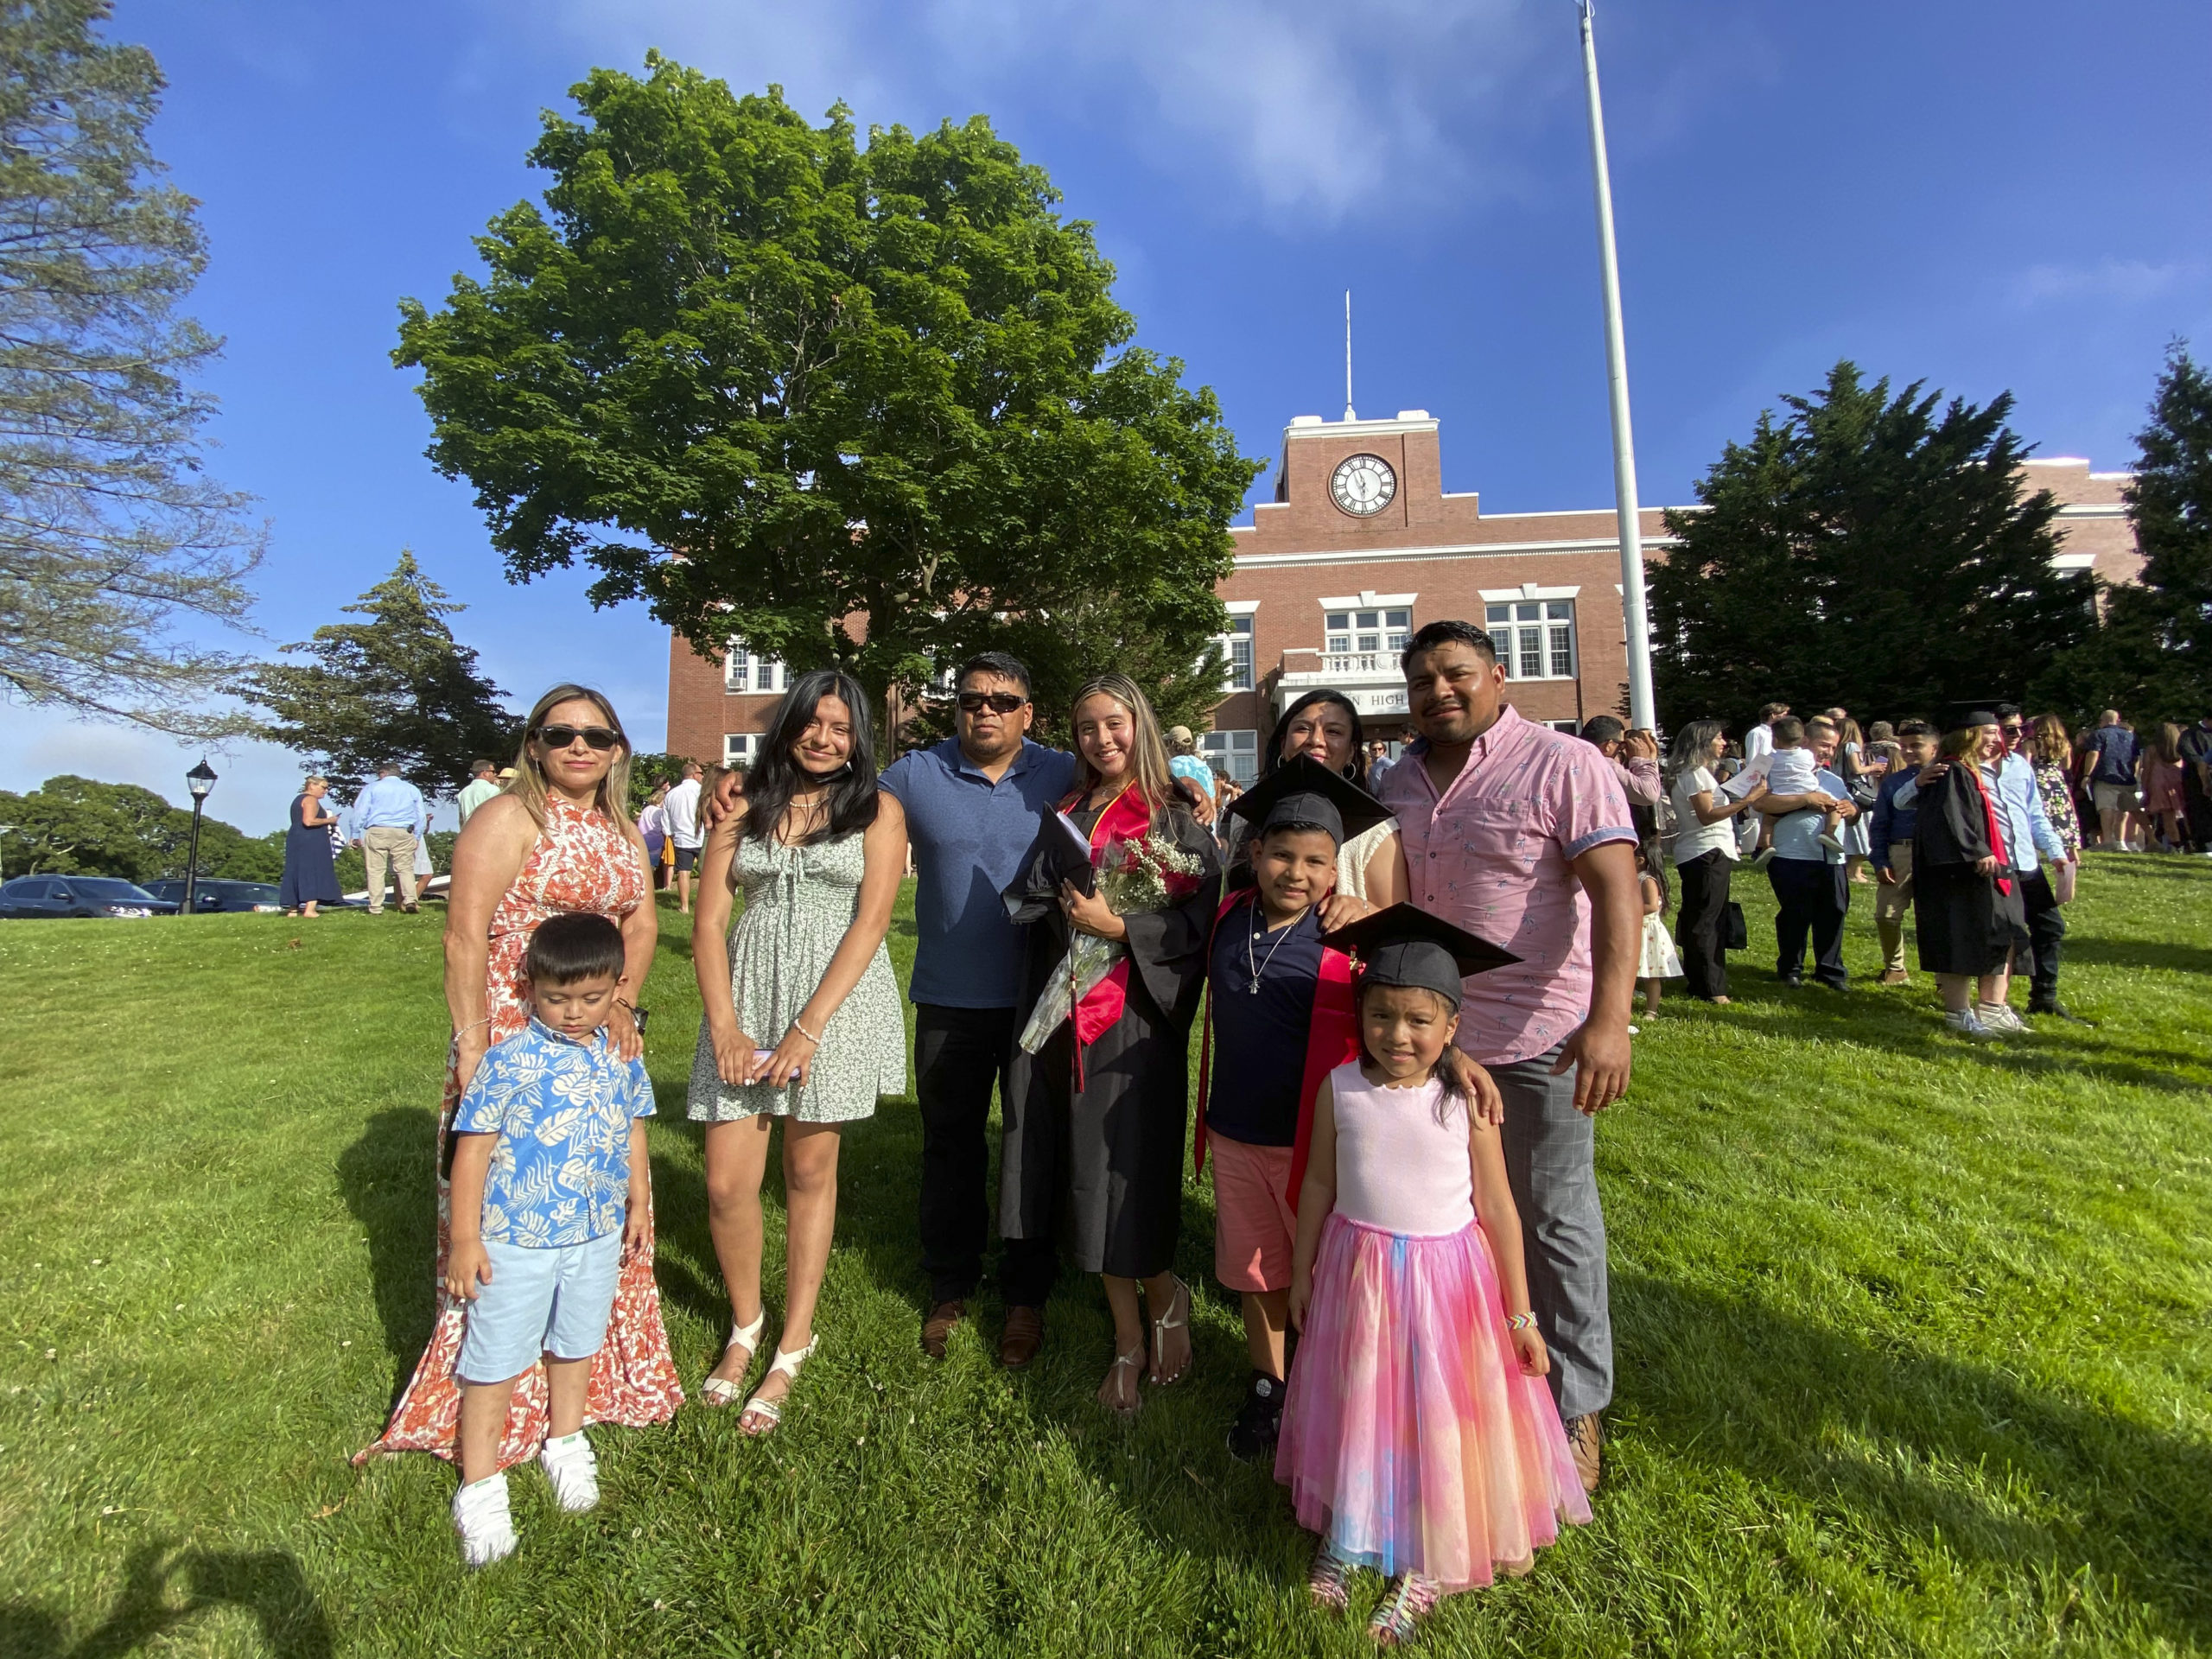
(1913, 1347)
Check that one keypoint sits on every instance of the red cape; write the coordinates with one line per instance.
(1331, 1038)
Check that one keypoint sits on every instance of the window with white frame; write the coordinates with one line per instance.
(1237, 646)
(1236, 753)
(739, 748)
(743, 671)
(1535, 637)
(1368, 631)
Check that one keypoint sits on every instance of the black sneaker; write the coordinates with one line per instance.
(1252, 1436)
(2057, 1010)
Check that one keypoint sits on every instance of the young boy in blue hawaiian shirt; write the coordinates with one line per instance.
(550, 1190)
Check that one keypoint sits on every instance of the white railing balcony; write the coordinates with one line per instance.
(1372, 679)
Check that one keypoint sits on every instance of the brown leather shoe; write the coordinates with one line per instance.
(937, 1330)
(1583, 1438)
(1894, 976)
(1024, 1335)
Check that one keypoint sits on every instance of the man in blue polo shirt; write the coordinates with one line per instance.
(972, 806)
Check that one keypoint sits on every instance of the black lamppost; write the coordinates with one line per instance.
(200, 781)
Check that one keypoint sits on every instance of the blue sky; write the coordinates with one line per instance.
(1987, 197)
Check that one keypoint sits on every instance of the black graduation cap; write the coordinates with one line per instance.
(1405, 945)
(1303, 791)
(1978, 711)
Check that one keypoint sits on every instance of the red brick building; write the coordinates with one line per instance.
(1361, 545)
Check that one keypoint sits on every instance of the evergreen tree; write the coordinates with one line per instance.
(109, 534)
(773, 380)
(1867, 549)
(396, 688)
(2151, 656)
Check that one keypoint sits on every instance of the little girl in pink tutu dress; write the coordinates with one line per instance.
(1418, 1435)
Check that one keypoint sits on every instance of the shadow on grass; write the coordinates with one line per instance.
(1904, 1022)
(389, 1177)
(2140, 953)
(270, 1585)
(1920, 1447)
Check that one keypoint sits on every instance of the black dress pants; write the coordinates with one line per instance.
(1813, 900)
(2046, 929)
(1700, 926)
(959, 1054)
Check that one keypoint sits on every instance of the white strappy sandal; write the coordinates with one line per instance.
(760, 1416)
(1132, 1361)
(1168, 1322)
(720, 1390)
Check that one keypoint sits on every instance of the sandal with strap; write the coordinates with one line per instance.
(722, 1390)
(1398, 1617)
(1130, 1361)
(760, 1416)
(1329, 1582)
(1168, 1322)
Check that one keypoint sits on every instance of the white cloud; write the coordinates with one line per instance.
(255, 781)
(2126, 282)
(1312, 107)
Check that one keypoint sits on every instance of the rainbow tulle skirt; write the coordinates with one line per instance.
(1410, 1437)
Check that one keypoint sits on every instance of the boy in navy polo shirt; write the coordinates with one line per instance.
(1281, 1020)
(550, 1190)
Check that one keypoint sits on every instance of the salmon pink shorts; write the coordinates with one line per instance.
(1254, 1229)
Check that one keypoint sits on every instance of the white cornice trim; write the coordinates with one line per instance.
(1393, 555)
(1529, 590)
(2093, 510)
(1356, 428)
(1367, 599)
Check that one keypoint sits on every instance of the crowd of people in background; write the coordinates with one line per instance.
(1411, 975)
(1974, 827)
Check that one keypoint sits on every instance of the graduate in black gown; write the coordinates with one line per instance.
(1095, 1116)
(1966, 904)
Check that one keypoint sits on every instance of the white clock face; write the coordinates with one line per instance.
(1363, 484)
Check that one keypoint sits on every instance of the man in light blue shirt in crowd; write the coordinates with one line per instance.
(1807, 870)
(389, 819)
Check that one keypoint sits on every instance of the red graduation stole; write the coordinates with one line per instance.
(1995, 827)
(1126, 819)
(1331, 1038)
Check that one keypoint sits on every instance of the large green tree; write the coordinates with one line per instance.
(1871, 549)
(75, 826)
(773, 380)
(2152, 655)
(396, 686)
(111, 538)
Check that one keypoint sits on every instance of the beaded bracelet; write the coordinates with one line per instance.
(804, 1032)
(1520, 1321)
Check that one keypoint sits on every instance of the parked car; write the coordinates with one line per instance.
(28, 896)
(208, 894)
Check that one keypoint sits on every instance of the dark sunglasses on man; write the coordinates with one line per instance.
(999, 702)
(560, 737)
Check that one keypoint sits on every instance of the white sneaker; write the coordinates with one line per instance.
(1830, 842)
(569, 1465)
(1969, 1026)
(480, 1516)
(2000, 1017)
(1764, 859)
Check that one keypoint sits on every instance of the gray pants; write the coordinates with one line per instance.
(1551, 1160)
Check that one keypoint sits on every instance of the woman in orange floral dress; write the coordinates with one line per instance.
(559, 839)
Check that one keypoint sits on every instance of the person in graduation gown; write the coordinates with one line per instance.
(1967, 903)
(1095, 1109)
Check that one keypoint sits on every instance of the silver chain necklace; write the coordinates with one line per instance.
(1260, 967)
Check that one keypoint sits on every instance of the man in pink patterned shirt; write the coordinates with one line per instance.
(1521, 835)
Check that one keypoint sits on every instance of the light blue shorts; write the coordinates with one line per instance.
(553, 1302)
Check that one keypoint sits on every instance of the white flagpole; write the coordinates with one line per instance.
(1641, 709)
